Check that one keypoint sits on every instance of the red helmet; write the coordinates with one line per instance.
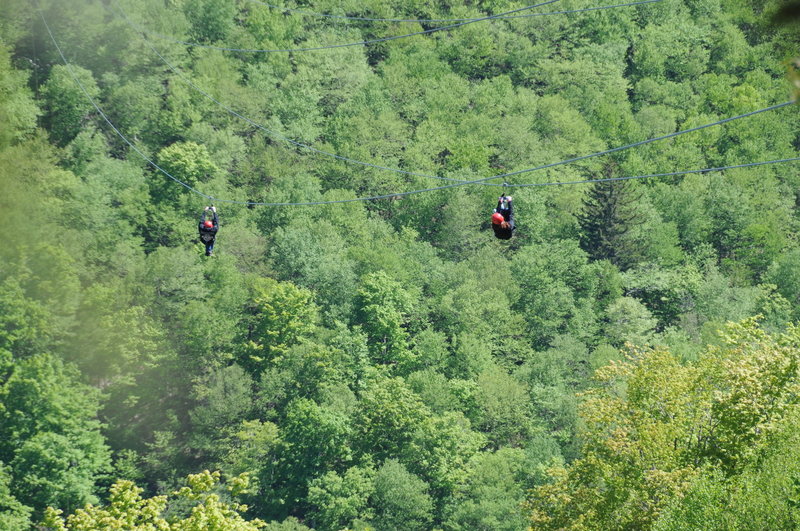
(497, 218)
(208, 224)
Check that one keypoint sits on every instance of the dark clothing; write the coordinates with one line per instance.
(508, 215)
(208, 234)
(503, 234)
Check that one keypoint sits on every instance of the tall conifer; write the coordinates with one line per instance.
(609, 214)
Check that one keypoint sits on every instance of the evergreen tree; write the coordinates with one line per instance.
(610, 212)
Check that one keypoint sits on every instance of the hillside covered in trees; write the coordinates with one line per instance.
(628, 360)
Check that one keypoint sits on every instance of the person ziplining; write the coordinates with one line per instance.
(208, 229)
(503, 218)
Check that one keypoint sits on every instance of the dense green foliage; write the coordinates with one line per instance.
(389, 364)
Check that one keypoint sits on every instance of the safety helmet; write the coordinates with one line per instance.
(208, 224)
(497, 218)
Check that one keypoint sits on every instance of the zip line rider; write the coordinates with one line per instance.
(208, 229)
(503, 218)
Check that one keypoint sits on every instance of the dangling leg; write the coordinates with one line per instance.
(510, 210)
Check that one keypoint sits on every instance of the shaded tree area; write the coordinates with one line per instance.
(389, 364)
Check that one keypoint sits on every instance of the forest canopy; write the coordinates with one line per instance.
(630, 359)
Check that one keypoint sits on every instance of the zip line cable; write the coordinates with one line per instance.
(415, 174)
(668, 174)
(359, 43)
(402, 194)
(367, 19)
(643, 142)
